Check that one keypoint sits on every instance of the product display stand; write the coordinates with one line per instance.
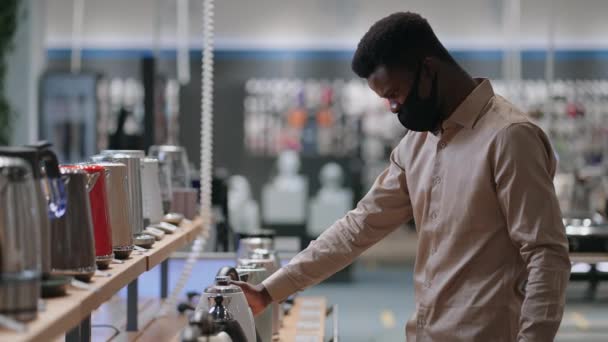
(71, 314)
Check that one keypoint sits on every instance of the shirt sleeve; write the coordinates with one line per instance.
(524, 169)
(385, 207)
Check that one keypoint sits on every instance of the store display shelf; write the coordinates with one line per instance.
(64, 313)
(589, 258)
(305, 322)
(171, 242)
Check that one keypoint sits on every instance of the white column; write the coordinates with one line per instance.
(24, 67)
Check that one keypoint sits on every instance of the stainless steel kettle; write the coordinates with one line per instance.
(48, 191)
(235, 302)
(20, 268)
(151, 191)
(132, 159)
(261, 258)
(203, 328)
(73, 242)
(264, 322)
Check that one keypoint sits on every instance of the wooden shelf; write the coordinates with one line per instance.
(64, 313)
(170, 243)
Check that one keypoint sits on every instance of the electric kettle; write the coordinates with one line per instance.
(48, 190)
(166, 188)
(234, 300)
(73, 244)
(118, 208)
(20, 268)
(261, 258)
(264, 322)
(132, 159)
(176, 159)
(99, 213)
(263, 245)
(223, 318)
(151, 193)
(184, 197)
(202, 328)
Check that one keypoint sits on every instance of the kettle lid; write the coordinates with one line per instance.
(222, 285)
(14, 169)
(260, 253)
(28, 154)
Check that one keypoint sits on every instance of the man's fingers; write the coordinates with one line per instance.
(239, 283)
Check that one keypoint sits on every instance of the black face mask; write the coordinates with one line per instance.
(420, 115)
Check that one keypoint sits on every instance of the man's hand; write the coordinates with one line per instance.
(257, 296)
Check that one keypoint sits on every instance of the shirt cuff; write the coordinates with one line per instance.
(279, 285)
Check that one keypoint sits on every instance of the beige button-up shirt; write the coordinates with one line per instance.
(492, 261)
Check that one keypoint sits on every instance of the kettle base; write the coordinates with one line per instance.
(123, 252)
(85, 277)
(103, 261)
(54, 286)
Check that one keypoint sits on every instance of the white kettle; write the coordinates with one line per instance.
(235, 302)
(264, 322)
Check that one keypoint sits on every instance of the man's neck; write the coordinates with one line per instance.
(457, 85)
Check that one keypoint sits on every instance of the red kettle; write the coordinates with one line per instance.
(100, 214)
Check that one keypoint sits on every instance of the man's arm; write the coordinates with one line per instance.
(382, 210)
(524, 166)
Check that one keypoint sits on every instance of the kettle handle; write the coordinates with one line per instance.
(51, 164)
(229, 272)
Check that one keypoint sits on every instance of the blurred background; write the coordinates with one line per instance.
(297, 137)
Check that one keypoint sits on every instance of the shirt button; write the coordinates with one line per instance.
(427, 284)
(436, 180)
(442, 145)
(433, 215)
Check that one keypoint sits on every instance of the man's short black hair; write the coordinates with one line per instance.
(401, 39)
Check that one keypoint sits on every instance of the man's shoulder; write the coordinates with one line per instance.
(504, 113)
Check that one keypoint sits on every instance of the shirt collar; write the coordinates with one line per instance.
(469, 110)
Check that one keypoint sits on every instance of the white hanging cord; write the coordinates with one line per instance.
(206, 156)
(77, 25)
(207, 113)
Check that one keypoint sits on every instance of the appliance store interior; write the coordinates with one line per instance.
(164, 163)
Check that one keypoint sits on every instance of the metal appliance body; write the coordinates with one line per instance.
(73, 243)
(102, 227)
(176, 159)
(151, 192)
(235, 302)
(264, 322)
(20, 268)
(261, 259)
(133, 163)
(48, 190)
(118, 208)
